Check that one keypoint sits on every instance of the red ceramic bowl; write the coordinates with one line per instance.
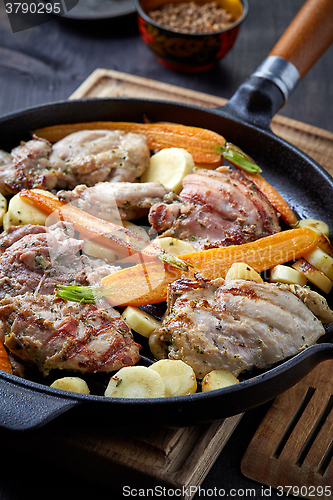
(185, 51)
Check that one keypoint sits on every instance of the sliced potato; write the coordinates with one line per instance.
(286, 274)
(94, 249)
(325, 245)
(216, 379)
(169, 167)
(174, 246)
(317, 225)
(21, 212)
(3, 208)
(316, 277)
(71, 384)
(5, 222)
(135, 382)
(323, 231)
(138, 229)
(178, 377)
(321, 261)
(140, 321)
(242, 271)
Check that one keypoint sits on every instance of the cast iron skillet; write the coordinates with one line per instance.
(245, 121)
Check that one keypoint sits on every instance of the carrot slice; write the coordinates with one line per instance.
(261, 254)
(124, 241)
(139, 285)
(5, 365)
(204, 145)
(147, 283)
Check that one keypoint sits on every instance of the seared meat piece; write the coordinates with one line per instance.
(85, 157)
(15, 233)
(44, 257)
(17, 365)
(92, 156)
(53, 333)
(216, 208)
(109, 201)
(5, 157)
(163, 216)
(314, 301)
(29, 168)
(45, 330)
(237, 325)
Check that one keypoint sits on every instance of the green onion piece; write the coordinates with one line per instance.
(85, 294)
(236, 156)
(175, 261)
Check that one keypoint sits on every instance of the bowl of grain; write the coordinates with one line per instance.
(187, 35)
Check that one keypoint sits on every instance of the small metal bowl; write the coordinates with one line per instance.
(186, 51)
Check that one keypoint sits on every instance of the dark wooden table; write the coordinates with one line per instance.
(47, 63)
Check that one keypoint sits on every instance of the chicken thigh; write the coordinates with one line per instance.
(92, 156)
(115, 200)
(216, 208)
(238, 325)
(85, 157)
(55, 334)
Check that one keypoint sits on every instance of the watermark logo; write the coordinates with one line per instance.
(32, 13)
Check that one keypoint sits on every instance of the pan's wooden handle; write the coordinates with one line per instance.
(308, 36)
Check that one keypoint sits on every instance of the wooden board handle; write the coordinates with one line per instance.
(308, 35)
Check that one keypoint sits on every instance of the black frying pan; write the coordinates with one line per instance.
(244, 121)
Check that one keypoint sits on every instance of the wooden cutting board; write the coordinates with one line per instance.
(113, 457)
(183, 457)
(293, 447)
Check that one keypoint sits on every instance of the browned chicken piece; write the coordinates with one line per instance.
(85, 157)
(237, 325)
(92, 156)
(37, 258)
(55, 334)
(314, 301)
(29, 168)
(15, 233)
(5, 157)
(42, 329)
(17, 365)
(216, 208)
(112, 201)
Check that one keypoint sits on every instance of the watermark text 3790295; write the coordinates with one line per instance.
(31, 13)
